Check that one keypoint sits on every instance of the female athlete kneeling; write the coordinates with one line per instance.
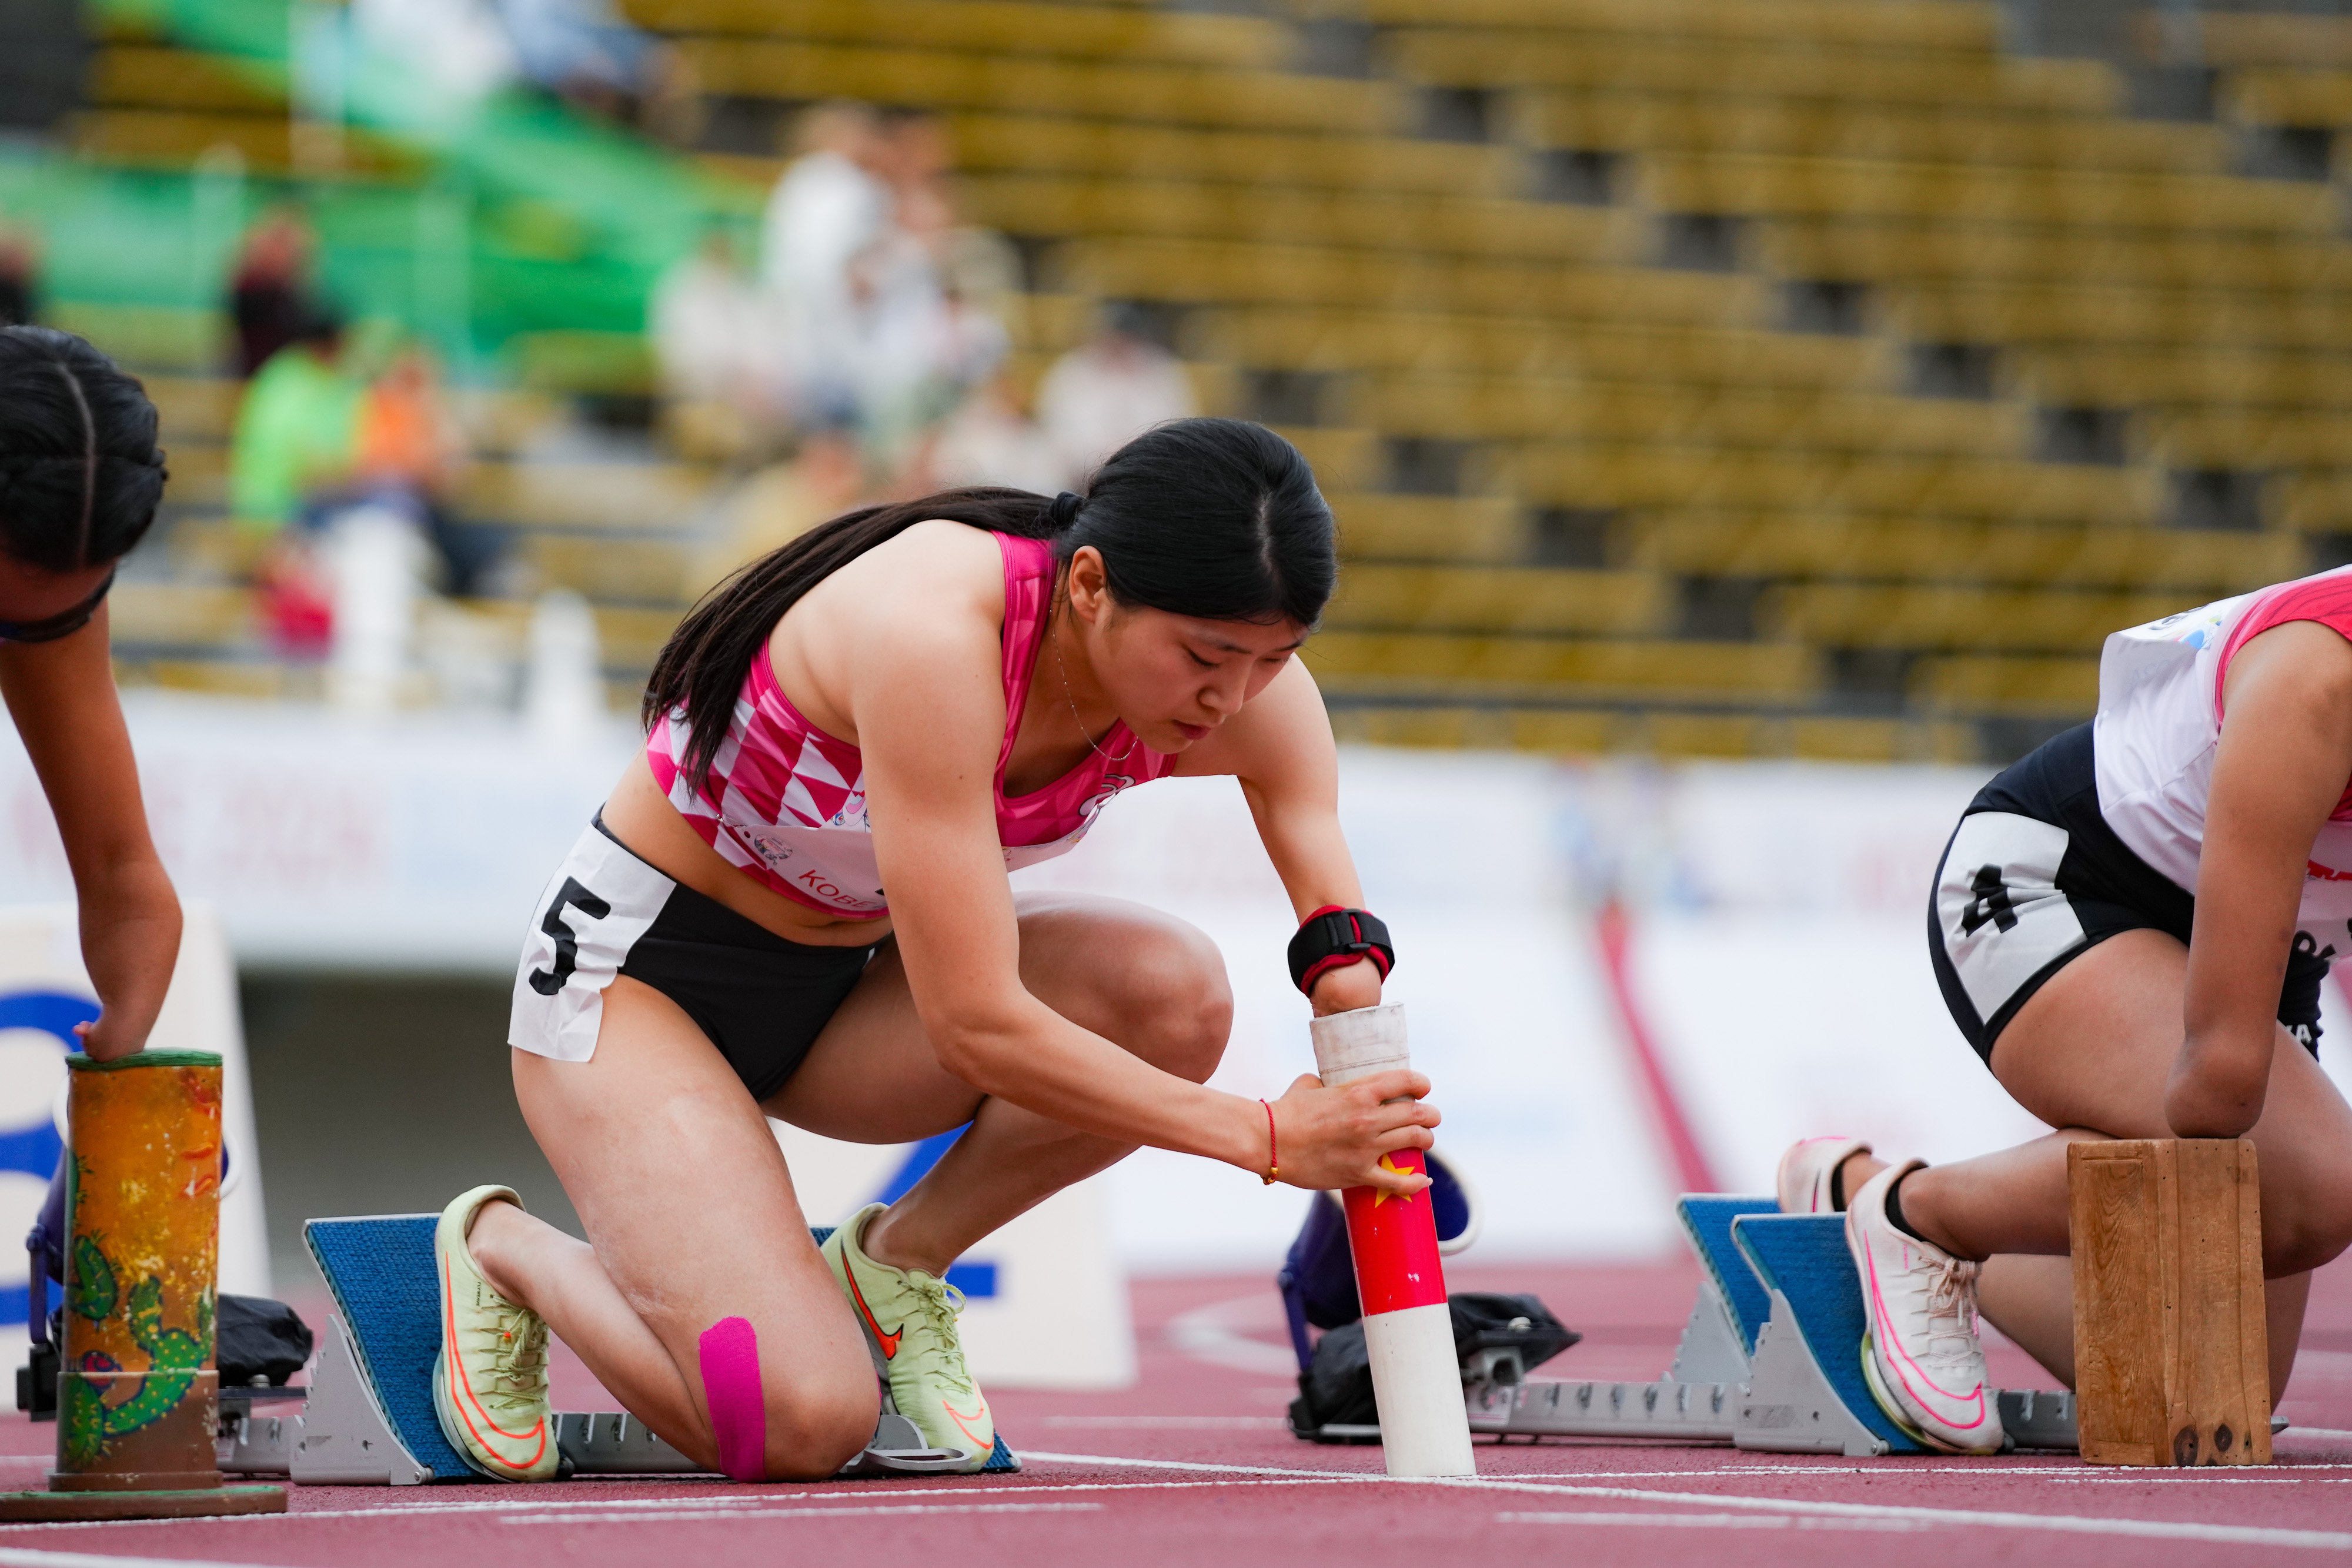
(2131, 927)
(915, 697)
(79, 481)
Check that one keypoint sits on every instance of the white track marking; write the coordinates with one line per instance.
(2071, 1524)
(1710, 1521)
(619, 1506)
(26, 1557)
(1172, 1423)
(678, 1516)
(2327, 1432)
(1212, 1333)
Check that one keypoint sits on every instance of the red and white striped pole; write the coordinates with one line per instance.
(1408, 1331)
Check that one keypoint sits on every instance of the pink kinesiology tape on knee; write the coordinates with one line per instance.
(738, 1409)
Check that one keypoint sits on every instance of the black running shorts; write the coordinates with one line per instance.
(761, 999)
(2034, 877)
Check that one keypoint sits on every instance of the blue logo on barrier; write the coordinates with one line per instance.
(974, 1280)
(33, 1149)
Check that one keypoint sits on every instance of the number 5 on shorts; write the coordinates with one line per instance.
(546, 982)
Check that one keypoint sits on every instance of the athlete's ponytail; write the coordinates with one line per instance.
(1213, 519)
(79, 473)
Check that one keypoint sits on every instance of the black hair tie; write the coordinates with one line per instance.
(1062, 510)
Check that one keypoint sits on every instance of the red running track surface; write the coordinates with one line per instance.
(1192, 1465)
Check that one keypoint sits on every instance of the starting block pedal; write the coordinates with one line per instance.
(1770, 1358)
(367, 1418)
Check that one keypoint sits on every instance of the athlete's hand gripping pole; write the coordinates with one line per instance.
(1408, 1329)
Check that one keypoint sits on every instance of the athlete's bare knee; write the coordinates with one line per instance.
(816, 1424)
(2308, 1224)
(1175, 1003)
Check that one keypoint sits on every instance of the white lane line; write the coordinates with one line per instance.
(683, 1515)
(720, 1506)
(26, 1557)
(2329, 1432)
(2072, 1524)
(1168, 1423)
(1711, 1521)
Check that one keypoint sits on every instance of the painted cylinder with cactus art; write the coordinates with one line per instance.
(138, 1395)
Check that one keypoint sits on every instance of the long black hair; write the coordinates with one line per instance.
(1218, 519)
(81, 476)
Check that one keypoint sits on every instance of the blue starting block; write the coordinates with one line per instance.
(368, 1417)
(1770, 1358)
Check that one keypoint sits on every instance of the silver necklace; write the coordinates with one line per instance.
(1063, 670)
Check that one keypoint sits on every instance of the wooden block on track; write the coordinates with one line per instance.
(2171, 1355)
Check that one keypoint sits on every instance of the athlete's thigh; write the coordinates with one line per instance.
(2095, 1047)
(685, 1197)
(1126, 972)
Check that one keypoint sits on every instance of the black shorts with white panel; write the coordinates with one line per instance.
(2033, 878)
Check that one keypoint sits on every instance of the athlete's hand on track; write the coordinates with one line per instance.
(1335, 1137)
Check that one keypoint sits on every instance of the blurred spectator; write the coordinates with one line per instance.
(587, 54)
(458, 47)
(989, 441)
(272, 294)
(319, 435)
(827, 212)
(781, 502)
(717, 347)
(20, 293)
(1102, 394)
(296, 430)
(407, 452)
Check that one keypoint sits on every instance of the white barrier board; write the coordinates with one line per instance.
(44, 992)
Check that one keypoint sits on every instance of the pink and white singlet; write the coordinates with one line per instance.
(2160, 723)
(785, 802)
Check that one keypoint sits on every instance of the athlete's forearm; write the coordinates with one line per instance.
(1024, 1052)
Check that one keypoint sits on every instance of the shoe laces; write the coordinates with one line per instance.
(938, 1304)
(1952, 1304)
(518, 1348)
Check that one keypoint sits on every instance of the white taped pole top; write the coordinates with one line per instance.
(1352, 1045)
(1416, 1377)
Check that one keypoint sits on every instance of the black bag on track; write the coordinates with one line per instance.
(1337, 1391)
(258, 1341)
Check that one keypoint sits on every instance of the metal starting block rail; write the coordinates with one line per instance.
(367, 1419)
(1769, 1359)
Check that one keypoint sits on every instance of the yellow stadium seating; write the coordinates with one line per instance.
(1060, 207)
(1939, 25)
(2228, 40)
(1524, 409)
(1794, 68)
(1184, 95)
(1202, 272)
(992, 26)
(1996, 684)
(1406, 664)
(1741, 184)
(2093, 313)
(1514, 599)
(2121, 377)
(2268, 97)
(1796, 545)
(1431, 528)
(1313, 339)
(1652, 477)
(1031, 143)
(1610, 120)
(1871, 250)
(144, 76)
(1945, 616)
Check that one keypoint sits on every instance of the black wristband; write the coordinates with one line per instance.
(1332, 938)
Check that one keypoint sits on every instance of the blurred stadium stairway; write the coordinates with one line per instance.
(1713, 377)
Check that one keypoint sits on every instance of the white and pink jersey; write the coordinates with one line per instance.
(785, 802)
(2160, 722)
